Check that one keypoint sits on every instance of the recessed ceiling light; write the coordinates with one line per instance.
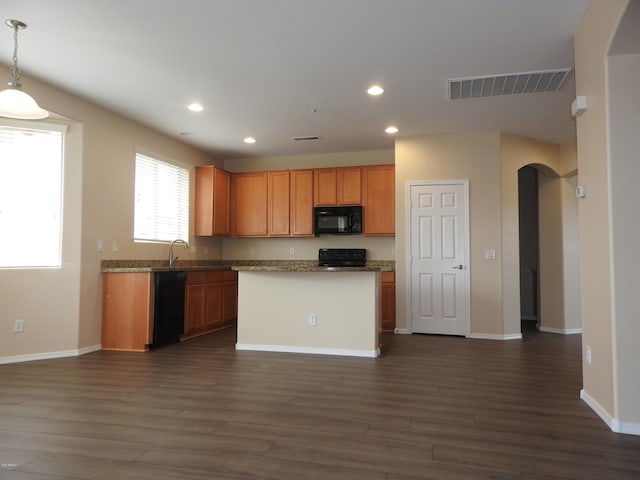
(249, 140)
(391, 129)
(195, 107)
(375, 90)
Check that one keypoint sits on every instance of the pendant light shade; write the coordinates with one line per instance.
(15, 103)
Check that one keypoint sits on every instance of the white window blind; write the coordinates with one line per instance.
(31, 179)
(161, 200)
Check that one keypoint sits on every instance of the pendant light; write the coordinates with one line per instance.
(14, 102)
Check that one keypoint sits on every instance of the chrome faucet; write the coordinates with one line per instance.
(172, 260)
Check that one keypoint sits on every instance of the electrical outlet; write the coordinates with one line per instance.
(100, 246)
(292, 250)
(587, 354)
(115, 246)
(18, 326)
(313, 319)
(194, 249)
(252, 251)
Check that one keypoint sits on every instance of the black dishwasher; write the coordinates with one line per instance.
(168, 303)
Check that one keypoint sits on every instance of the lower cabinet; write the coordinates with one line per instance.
(127, 311)
(229, 296)
(388, 301)
(212, 301)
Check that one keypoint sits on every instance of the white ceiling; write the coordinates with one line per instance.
(261, 66)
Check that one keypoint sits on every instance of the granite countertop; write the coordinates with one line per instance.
(142, 266)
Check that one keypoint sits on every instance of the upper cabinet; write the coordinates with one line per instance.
(301, 208)
(280, 203)
(379, 199)
(278, 198)
(249, 204)
(337, 186)
(212, 197)
(272, 204)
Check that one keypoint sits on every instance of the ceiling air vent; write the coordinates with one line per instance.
(509, 84)
(308, 138)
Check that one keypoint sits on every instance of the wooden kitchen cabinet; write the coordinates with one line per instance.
(301, 197)
(378, 200)
(249, 204)
(211, 301)
(229, 296)
(195, 305)
(127, 311)
(212, 201)
(388, 296)
(337, 186)
(279, 205)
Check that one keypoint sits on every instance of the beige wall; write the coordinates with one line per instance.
(490, 161)
(624, 117)
(592, 39)
(570, 255)
(453, 157)
(62, 307)
(515, 153)
(378, 248)
(319, 160)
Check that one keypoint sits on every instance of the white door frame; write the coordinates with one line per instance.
(407, 209)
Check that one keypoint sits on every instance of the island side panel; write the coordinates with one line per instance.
(274, 308)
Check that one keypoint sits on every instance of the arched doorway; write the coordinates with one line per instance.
(548, 238)
(529, 246)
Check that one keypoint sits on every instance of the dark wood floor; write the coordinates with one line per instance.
(430, 408)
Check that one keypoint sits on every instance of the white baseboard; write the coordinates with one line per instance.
(561, 331)
(614, 424)
(310, 350)
(490, 336)
(402, 331)
(49, 355)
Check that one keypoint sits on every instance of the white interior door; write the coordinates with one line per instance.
(438, 258)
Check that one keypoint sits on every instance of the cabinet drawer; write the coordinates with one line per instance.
(214, 276)
(229, 275)
(196, 277)
(388, 277)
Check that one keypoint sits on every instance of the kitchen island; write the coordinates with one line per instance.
(309, 309)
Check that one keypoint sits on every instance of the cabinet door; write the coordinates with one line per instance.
(127, 311)
(278, 210)
(194, 321)
(221, 197)
(212, 190)
(204, 201)
(379, 200)
(301, 203)
(213, 305)
(388, 296)
(229, 296)
(325, 183)
(349, 186)
(249, 206)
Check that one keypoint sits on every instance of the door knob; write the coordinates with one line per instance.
(458, 267)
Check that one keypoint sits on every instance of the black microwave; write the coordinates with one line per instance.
(337, 220)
